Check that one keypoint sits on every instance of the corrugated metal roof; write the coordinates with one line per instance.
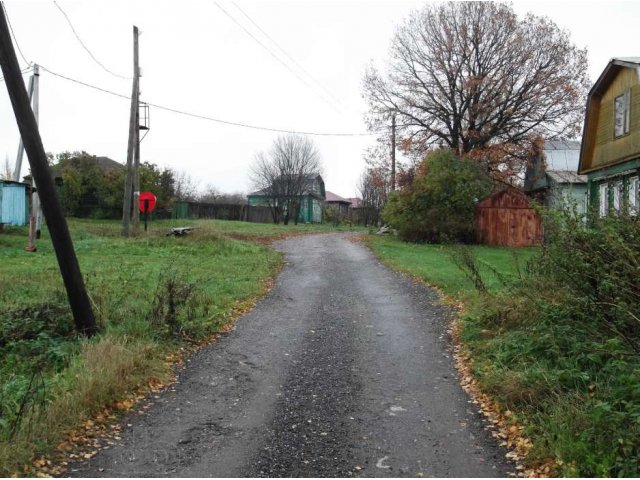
(562, 154)
(566, 176)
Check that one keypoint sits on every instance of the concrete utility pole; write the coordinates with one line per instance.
(393, 152)
(131, 146)
(18, 167)
(68, 263)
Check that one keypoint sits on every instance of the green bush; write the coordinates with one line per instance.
(561, 348)
(439, 204)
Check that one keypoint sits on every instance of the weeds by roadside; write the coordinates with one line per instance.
(555, 342)
(150, 294)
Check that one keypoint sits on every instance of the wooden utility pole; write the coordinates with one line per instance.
(131, 146)
(393, 152)
(67, 261)
(135, 214)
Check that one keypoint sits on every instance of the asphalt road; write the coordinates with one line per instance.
(341, 370)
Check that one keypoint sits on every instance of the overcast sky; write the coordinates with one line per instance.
(195, 58)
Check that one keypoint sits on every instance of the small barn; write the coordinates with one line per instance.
(14, 203)
(506, 218)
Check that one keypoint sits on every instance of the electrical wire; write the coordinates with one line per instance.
(15, 40)
(293, 60)
(244, 29)
(93, 57)
(209, 118)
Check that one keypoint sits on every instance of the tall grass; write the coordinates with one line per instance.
(150, 295)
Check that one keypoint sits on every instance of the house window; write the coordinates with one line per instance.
(632, 197)
(603, 198)
(618, 189)
(621, 120)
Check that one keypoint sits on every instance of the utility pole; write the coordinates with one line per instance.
(18, 167)
(393, 152)
(62, 244)
(136, 165)
(131, 146)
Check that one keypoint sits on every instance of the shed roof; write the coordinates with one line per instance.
(508, 197)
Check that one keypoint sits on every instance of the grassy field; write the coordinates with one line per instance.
(151, 294)
(434, 264)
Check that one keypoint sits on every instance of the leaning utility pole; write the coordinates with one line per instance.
(62, 244)
(131, 146)
(393, 152)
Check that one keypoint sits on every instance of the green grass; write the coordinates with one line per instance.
(434, 265)
(567, 366)
(50, 379)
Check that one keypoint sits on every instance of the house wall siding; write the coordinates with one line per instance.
(609, 150)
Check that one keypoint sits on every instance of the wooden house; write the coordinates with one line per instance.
(551, 177)
(343, 205)
(610, 153)
(506, 218)
(312, 201)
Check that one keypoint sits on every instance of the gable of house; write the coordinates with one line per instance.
(610, 154)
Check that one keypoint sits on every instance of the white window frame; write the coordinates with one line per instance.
(603, 198)
(632, 195)
(618, 195)
(621, 108)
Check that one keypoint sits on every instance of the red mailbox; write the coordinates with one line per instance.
(147, 202)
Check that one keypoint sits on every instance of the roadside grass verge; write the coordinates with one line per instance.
(556, 345)
(152, 295)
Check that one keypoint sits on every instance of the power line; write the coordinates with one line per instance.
(85, 47)
(285, 53)
(15, 40)
(244, 29)
(209, 118)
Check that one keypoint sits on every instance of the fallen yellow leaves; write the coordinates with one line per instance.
(502, 423)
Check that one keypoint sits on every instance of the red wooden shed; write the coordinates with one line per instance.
(506, 218)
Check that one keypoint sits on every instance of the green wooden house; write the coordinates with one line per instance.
(312, 202)
(551, 177)
(610, 153)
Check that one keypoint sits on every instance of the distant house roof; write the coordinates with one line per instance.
(562, 154)
(566, 176)
(355, 202)
(332, 197)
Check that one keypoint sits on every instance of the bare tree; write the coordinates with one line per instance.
(213, 195)
(7, 171)
(472, 77)
(374, 187)
(283, 174)
(185, 187)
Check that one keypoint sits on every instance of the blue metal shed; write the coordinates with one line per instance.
(14, 203)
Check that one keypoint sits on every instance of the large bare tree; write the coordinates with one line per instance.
(284, 173)
(472, 77)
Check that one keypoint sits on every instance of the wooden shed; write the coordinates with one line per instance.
(506, 218)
